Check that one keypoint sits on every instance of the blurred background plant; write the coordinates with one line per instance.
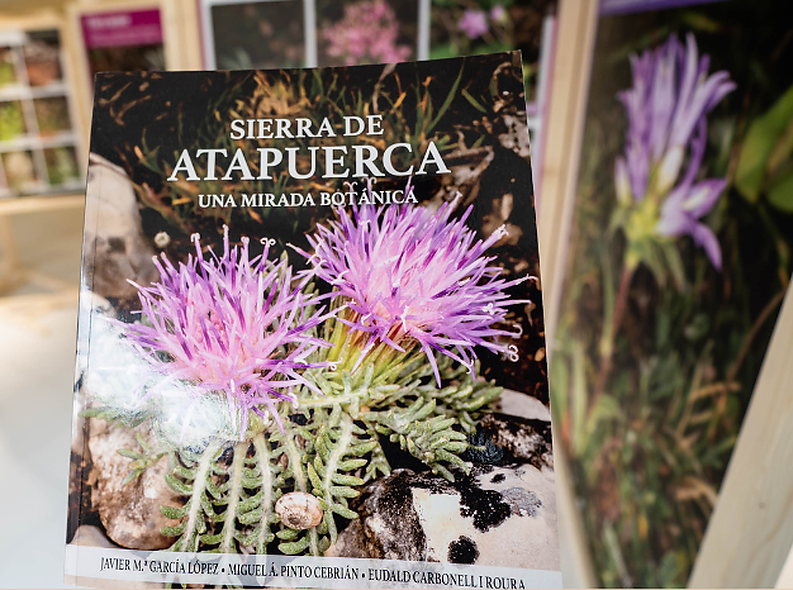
(251, 35)
(11, 122)
(470, 27)
(660, 340)
(368, 32)
(7, 70)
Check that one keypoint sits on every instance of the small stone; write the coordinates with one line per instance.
(129, 512)
(299, 510)
(519, 404)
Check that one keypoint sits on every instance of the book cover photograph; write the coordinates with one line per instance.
(311, 347)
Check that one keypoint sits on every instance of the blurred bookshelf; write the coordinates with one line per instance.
(38, 142)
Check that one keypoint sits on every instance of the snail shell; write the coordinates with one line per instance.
(299, 510)
(162, 239)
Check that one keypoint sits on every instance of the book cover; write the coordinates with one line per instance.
(311, 347)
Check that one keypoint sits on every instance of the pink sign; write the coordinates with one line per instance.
(123, 28)
(612, 7)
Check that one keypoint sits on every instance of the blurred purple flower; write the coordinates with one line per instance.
(667, 109)
(473, 23)
(230, 326)
(682, 210)
(368, 32)
(413, 276)
(498, 14)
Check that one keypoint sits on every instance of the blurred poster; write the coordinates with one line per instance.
(267, 34)
(123, 40)
(367, 31)
(469, 27)
(264, 34)
(678, 260)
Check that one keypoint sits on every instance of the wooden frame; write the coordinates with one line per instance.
(537, 122)
(750, 532)
(576, 29)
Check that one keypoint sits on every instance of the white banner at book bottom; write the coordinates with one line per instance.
(293, 572)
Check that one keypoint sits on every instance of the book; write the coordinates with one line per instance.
(311, 349)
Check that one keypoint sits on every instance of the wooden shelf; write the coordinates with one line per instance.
(13, 273)
(20, 205)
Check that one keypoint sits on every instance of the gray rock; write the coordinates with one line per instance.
(129, 512)
(120, 250)
(388, 527)
(499, 516)
(519, 404)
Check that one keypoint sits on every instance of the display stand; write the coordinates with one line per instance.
(40, 92)
(13, 274)
(182, 51)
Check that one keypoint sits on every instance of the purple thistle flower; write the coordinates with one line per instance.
(412, 276)
(230, 326)
(473, 23)
(667, 109)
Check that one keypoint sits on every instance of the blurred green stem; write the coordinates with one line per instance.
(611, 325)
(769, 308)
